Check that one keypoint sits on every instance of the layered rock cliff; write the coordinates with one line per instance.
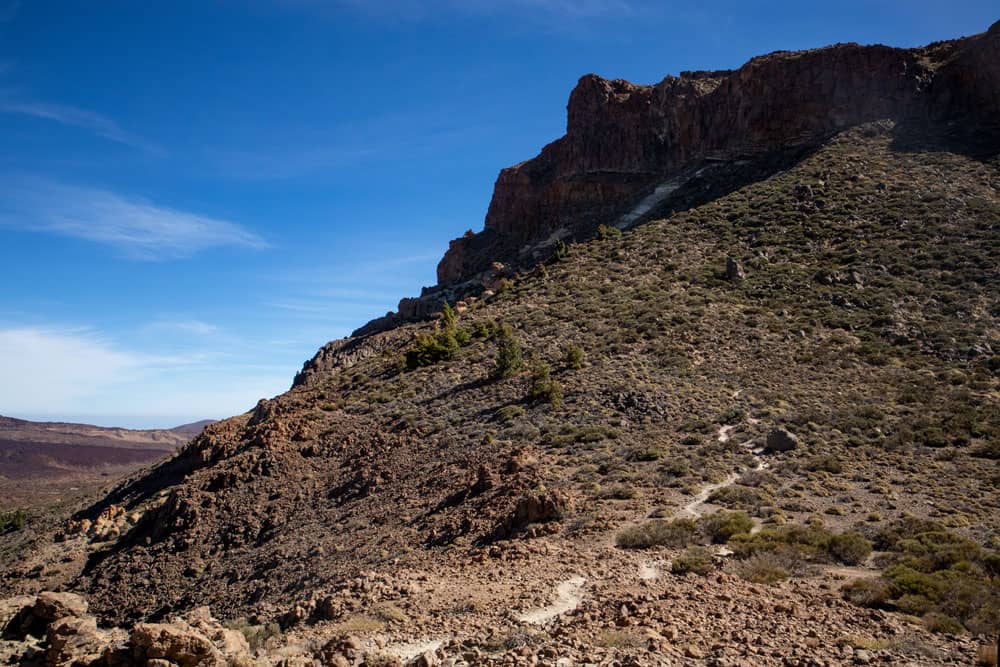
(623, 139)
(630, 150)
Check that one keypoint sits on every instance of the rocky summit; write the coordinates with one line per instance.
(717, 385)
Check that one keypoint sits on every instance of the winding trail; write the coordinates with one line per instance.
(406, 651)
(568, 598)
(696, 507)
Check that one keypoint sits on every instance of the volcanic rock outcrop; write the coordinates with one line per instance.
(624, 139)
(629, 149)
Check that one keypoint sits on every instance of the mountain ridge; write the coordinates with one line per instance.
(623, 140)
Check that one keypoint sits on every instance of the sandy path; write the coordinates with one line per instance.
(408, 650)
(567, 598)
(695, 508)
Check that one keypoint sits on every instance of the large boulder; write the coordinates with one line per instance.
(177, 643)
(229, 642)
(52, 606)
(780, 440)
(12, 612)
(74, 642)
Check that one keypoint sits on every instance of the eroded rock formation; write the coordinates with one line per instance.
(623, 139)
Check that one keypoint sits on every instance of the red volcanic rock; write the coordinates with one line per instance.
(623, 139)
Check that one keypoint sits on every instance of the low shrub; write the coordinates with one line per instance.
(574, 357)
(830, 464)
(697, 560)
(722, 525)
(737, 496)
(543, 388)
(850, 548)
(938, 622)
(676, 533)
(605, 232)
(867, 592)
(13, 520)
(767, 568)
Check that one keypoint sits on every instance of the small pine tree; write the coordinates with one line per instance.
(560, 251)
(510, 358)
(574, 357)
(448, 318)
(543, 388)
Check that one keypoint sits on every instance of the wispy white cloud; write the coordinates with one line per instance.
(137, 228)
(91, 121)
(192, 327)
(60, 371)
(45, 367)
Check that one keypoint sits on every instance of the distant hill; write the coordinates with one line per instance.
(194, 428)
(55, 449)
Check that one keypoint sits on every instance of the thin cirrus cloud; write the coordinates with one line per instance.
(183, 326)
(53, 372)
(136, 228)
(90, 121)
(32, 358)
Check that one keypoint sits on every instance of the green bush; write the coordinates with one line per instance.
(676, 533)
(510, 358)
(905, 580)
(605, 232)
(559, 251)
(938, 622)
(13, 520)
(694, 559)
(543, 388)
(448, 318)
(933, 573)
(574, 357)
(722, 525)
(850, 548)
(430, 349)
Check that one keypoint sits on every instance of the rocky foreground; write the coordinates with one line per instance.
(630, 611)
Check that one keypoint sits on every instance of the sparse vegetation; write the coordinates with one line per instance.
(693, 560)
(676, 533)
(574, 357)
(510, 358)
(543, 388)
(949, 580)
(256, 635)
(13, 520)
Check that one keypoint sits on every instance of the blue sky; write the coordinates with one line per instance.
(194, 196)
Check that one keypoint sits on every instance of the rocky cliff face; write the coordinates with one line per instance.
(622, 139)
